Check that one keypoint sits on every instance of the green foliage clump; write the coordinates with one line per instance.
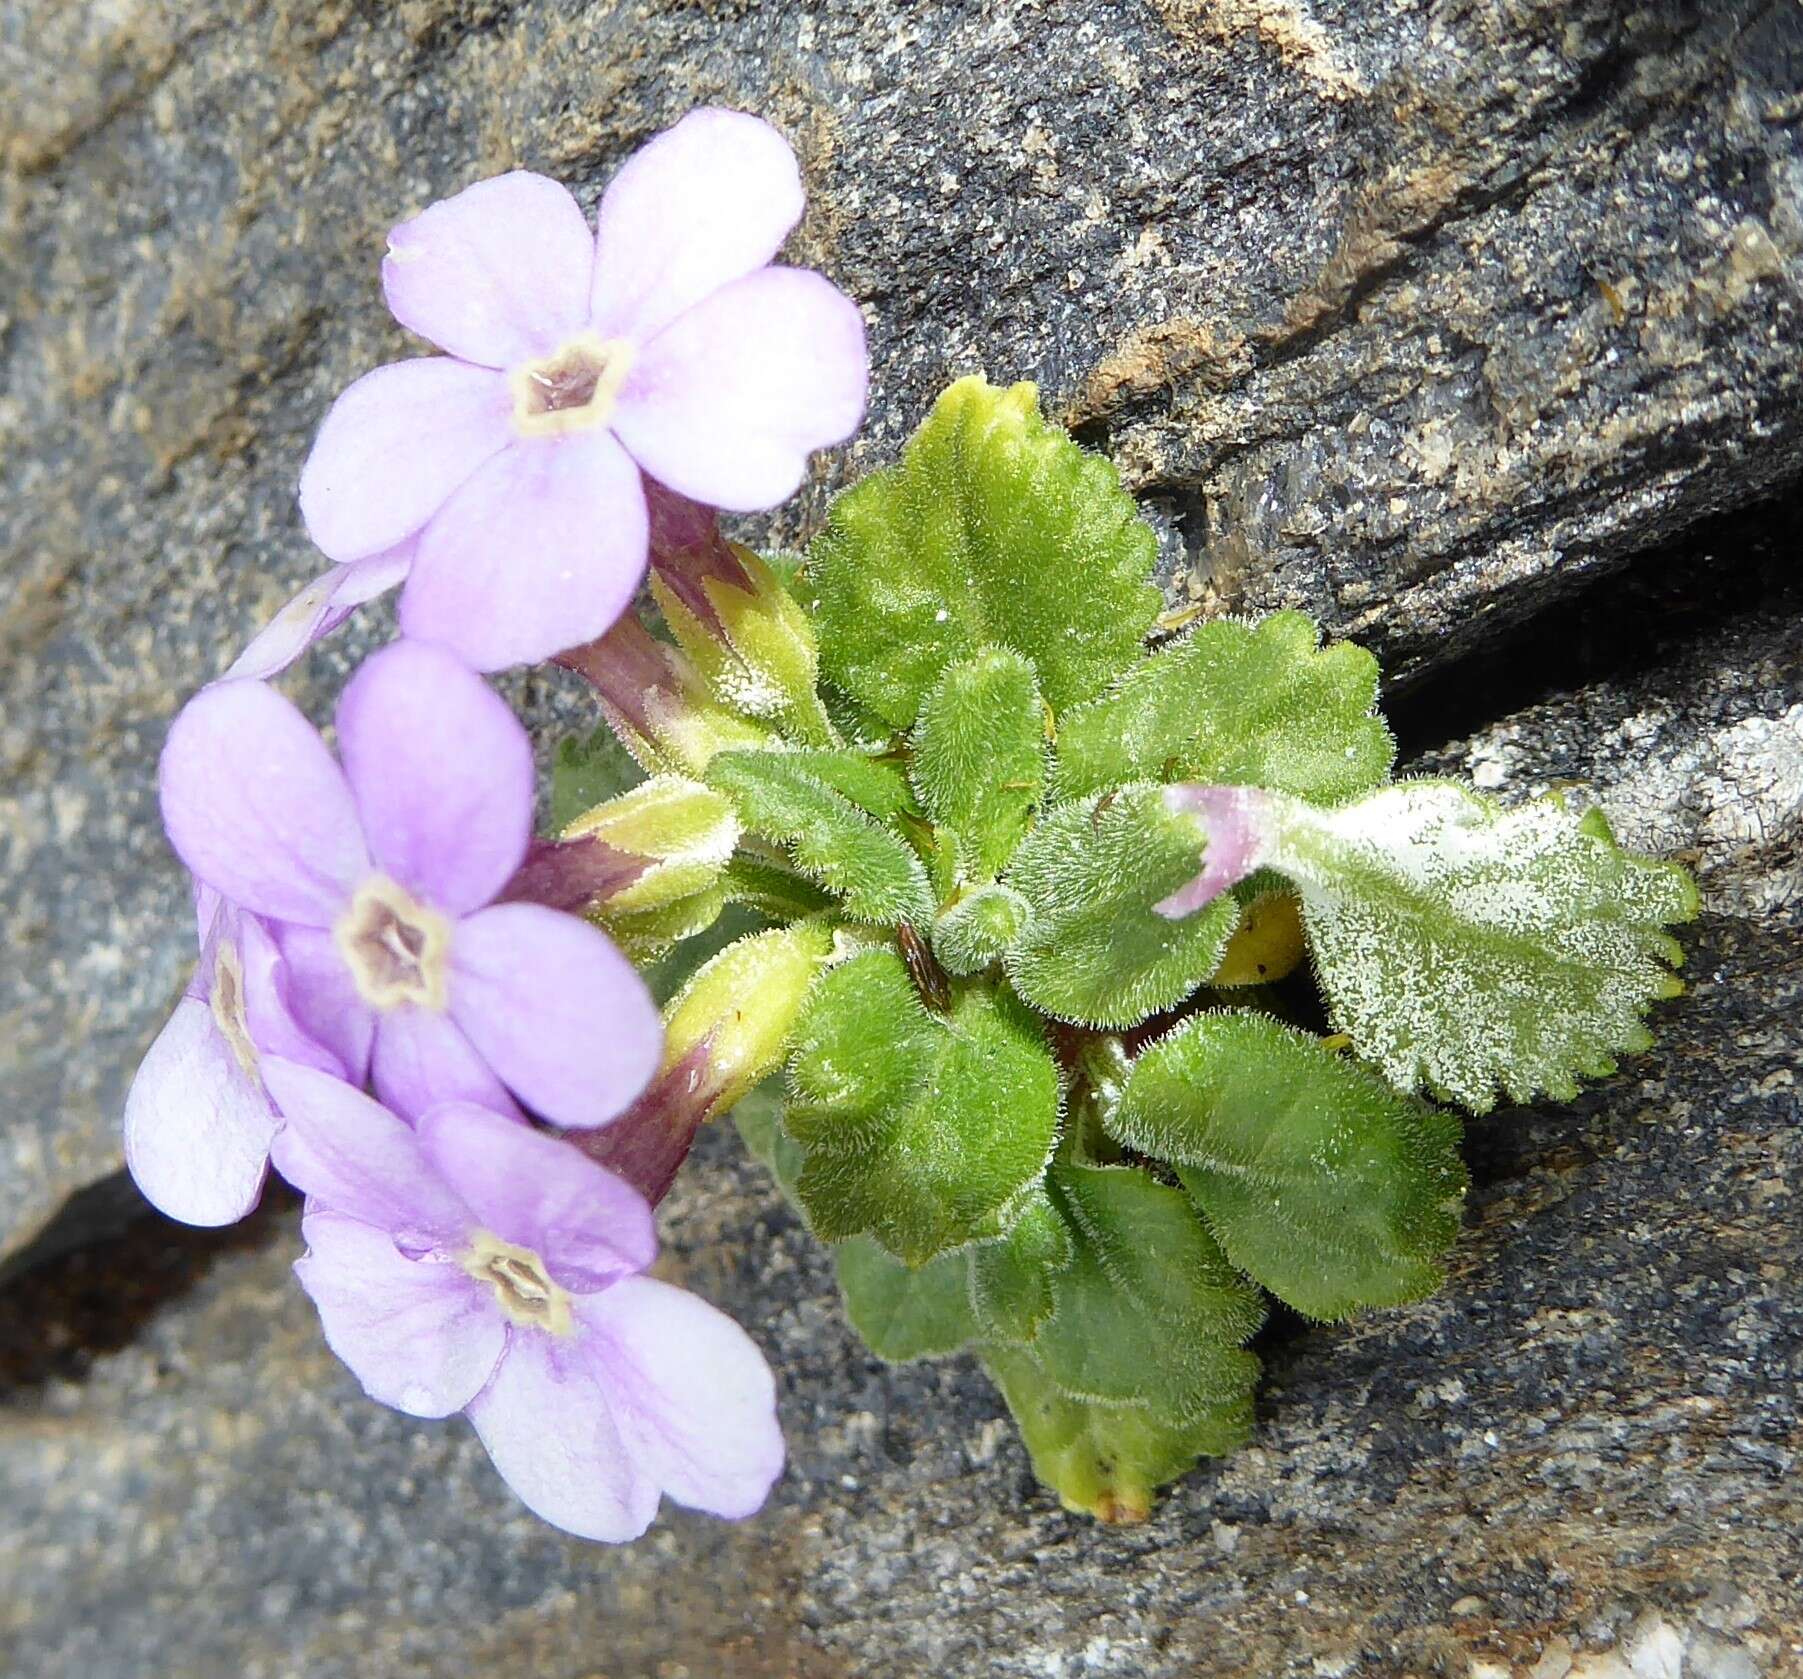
(1041, 1113)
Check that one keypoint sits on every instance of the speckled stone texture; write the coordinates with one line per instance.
(1593, 1429)
(1448, 322)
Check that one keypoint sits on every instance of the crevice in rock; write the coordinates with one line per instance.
(1736, 566)
(63, 1307)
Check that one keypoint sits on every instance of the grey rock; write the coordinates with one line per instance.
(1417, 315)
(1590, 1435)
(1675, 702)
(1426, 317)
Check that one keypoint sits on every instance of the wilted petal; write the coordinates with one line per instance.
(394, 447)
(539, 1193)
(542, 550)
(422, 1058)
(703, 204)
(420, 1335)
(317, 610)
(498, 274)
(257, 807)
(197, 1126)
(547, 1428)
(442, 774)
(290, 632)
(361, 1160)
(1235, 823)
(556, 1010)
(693, 1399)
(324, 999)
(726, 404)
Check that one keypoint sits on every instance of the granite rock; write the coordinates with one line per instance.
(1417, 315)
(1579, 1461)
(1586, 1444)
(1429, 317)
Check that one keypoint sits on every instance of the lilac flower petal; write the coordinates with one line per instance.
(726, 403)
(548, 1430)
(1235, 822)
(498, 274)
(207, 904)
(257, 807)
(290, 632)
(268, 1014)
(442, 774)
(556, 1010)
(361, 1160)
(394, 447)
(324, 999)
(197, 1127)
(316, 611)
(420, 1335)
(422, 1058)
(542, 550)
(692, 1396)
(703, 204)
(530, 1189)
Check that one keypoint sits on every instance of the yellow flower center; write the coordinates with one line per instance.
(574, 390)
(517, 1276)
(397, 949)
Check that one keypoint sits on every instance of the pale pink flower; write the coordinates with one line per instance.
(665, 342)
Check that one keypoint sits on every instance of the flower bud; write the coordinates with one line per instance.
(646, 865)
(724, 1032)
(656, 701)
(744, 634)
(1235, 824)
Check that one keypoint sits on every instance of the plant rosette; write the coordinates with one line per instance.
(1049, 1085)
(1002, 917)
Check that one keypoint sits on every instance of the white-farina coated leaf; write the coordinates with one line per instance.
(1469, 947)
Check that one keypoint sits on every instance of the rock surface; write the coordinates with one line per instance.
(1591, 1436)
(1415, 315)
(1427, 317)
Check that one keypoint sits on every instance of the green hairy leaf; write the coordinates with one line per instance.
(905, 1314)
(1467, 947)
(980, 755)
(1148, 1311)
(1011, 1279)
(923, 1129)
(975, 931)
(877, 788)
(759, 1119)
(1107, 1460)
(589, 770)
(1319, 1179)
(788, 796)
(1256, 704)
(994, 529)
(1095, 950)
